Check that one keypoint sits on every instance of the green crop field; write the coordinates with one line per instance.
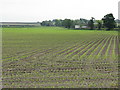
(54, 57)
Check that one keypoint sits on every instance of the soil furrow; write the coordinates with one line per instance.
(89, 52)
(76, 52)
(23, 53)
(66, 51)
(25, 58)
(73, 50)
(38, 54)
(116, 46)
(110, 51)
(105, 47)
(86, 49)
(99, 48)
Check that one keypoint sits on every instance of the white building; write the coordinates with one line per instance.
(77, 26)
(84, 27)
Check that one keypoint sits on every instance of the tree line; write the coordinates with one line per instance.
(108, 22)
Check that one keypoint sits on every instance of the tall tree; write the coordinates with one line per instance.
(91, 23)
(67, 23)
(57, 22)
(99, 24)
(119, 27)
(109, 21)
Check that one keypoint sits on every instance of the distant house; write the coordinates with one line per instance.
(20, 24)
(84, 27)
(77, 26)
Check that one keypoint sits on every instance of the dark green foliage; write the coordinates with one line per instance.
(99, 25)
(67, 23)
(91, 23)
(47, 23)
(57, 22)
(106, 22)
(83, 21)
(109, 21)
(119, 27)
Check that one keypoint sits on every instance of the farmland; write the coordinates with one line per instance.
(54, 57)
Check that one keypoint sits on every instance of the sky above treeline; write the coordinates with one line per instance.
(41, 10)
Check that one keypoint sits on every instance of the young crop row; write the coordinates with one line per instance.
(84, 48)
(111, 46)
(68, 59)
(116, 46)
(100, 47)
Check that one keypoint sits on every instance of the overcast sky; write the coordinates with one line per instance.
(39, 10)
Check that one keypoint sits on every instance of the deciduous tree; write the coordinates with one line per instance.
(91, 23)
(109, 21)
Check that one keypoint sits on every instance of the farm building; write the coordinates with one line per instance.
(77, 26)
(84, 27)
(81, 27)
(19, 24)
